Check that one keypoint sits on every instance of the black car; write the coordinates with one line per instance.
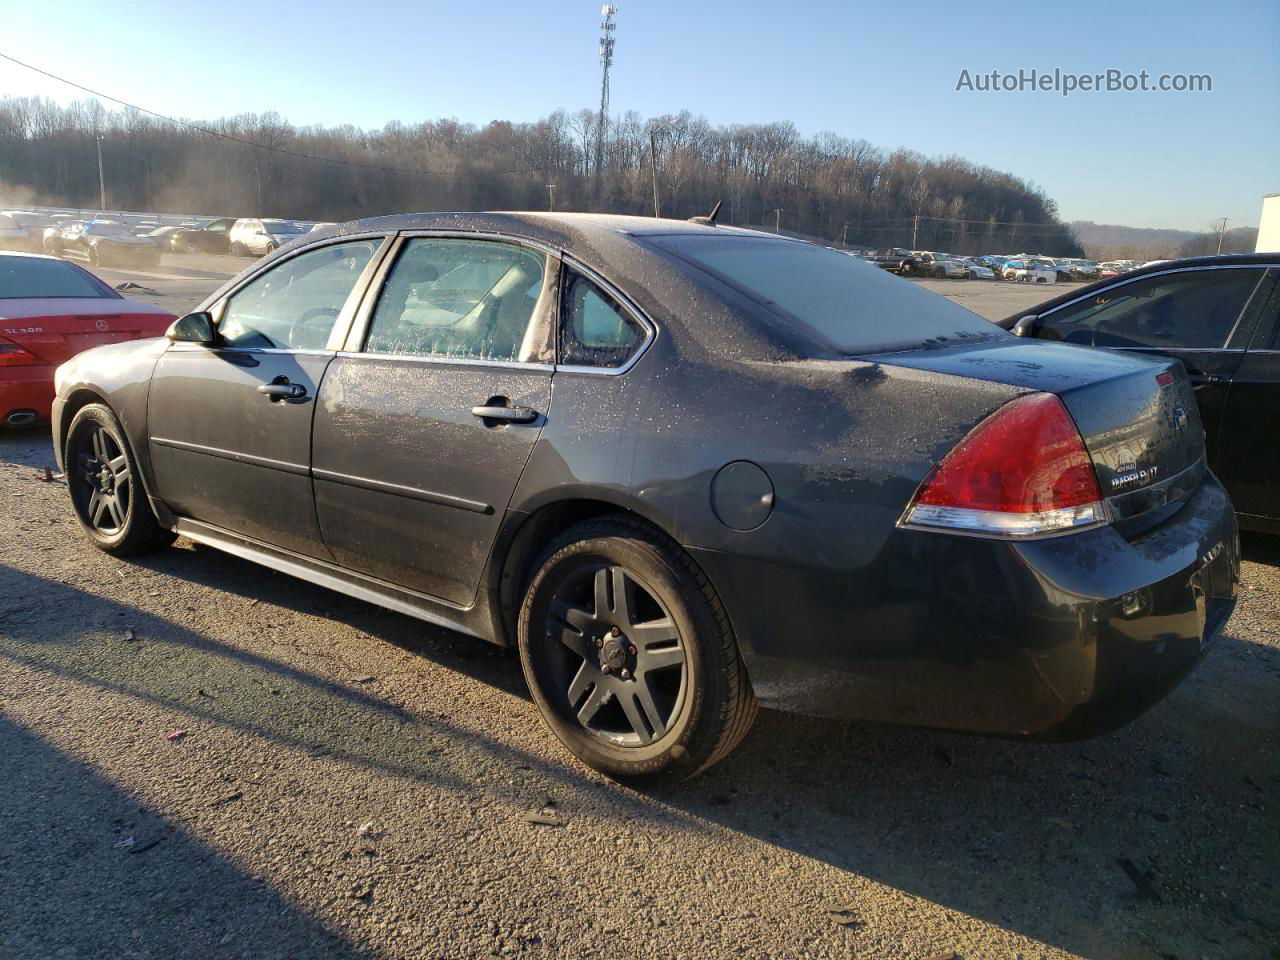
(684, 469)
(210, 237)
(1221, 317)
(103, 243)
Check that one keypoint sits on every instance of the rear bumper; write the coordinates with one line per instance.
(1063, 638)
(26, 389)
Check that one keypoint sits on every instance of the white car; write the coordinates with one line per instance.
(978, 271)
(1030, 271)
(255, 237)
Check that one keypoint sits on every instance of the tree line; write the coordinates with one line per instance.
(830, 187)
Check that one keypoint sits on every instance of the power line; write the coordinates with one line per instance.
(241, 140)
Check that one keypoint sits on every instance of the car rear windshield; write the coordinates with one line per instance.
(852, 305)
(23, 278)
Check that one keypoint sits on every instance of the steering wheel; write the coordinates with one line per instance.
(307, 319)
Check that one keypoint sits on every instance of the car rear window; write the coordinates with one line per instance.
(33, 278)
(851, 305)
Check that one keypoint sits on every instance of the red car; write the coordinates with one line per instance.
(50, 310)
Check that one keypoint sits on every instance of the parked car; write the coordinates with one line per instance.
(255, 237)
(905, 514)
(49, 311)
(1221, 317)
(1030, 271)
(893, 259)
(144, 228)
(208, 237)
(926, 263)
(14, 236)
(34, 225)
(1086, 270)
(163, 237)
(978, 270)
(103, 243)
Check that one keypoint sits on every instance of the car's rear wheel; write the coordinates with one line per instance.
(629, 654)
(238, 250)
(102, 478)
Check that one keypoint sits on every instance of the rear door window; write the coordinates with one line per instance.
(1195, 309)
(460, 299)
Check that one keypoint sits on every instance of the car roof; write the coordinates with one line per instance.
(548, 227)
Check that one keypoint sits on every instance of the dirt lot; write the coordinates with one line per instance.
(352, 783)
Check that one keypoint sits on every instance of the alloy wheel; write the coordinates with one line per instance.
(103, 481)
(621, 660)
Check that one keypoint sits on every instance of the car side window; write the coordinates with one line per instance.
(458, 299)
(594, 330)
(1192, 309)
(293, 305)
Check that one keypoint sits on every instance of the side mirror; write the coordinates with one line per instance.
(1026, 326)
(193, 328)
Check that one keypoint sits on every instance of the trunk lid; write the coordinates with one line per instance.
(56, 329)
(1137, 415)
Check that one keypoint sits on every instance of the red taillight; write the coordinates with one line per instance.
(12, 355)
(1024, 471)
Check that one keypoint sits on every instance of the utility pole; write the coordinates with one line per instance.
(844, 234)
(102, 182)
(1222, 230)
(607, 28)
(777, 219)
(551, 197)
(653, 168)
(915, 228)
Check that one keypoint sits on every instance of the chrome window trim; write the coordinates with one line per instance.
(1203, 268)
(650, 328)
(437, 358)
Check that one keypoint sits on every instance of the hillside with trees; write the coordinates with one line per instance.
(844, 190)
(1109, 241)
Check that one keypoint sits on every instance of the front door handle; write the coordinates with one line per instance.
(283, 390)
(505, 414)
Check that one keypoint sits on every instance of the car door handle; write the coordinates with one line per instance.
(505, 414)
(283, 391)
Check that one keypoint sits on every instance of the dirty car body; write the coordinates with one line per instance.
(784, 451)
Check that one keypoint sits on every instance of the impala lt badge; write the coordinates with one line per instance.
(1129, 475)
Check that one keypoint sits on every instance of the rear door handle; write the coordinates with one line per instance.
(283, 391)
(506, 414)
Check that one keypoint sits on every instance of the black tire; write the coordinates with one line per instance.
(238, 250)
(106, 492)
(907, 269)
(680, 721)
(939, 273)
(272, 247)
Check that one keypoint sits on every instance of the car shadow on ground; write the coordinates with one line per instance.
(1108, 849)
(165, 893)
(958, 821)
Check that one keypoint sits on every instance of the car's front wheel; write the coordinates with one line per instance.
(102, 478)
(629, 654)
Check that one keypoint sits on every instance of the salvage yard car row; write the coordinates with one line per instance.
(137, 239)
(1021, 268)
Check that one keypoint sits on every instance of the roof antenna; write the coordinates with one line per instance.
(710, 219)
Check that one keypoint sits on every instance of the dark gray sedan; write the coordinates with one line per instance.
(685, 469)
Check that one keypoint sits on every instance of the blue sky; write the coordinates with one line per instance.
(881, 71)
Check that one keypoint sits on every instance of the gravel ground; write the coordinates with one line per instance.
(352, 783)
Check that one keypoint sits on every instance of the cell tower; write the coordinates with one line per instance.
(607, 26)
